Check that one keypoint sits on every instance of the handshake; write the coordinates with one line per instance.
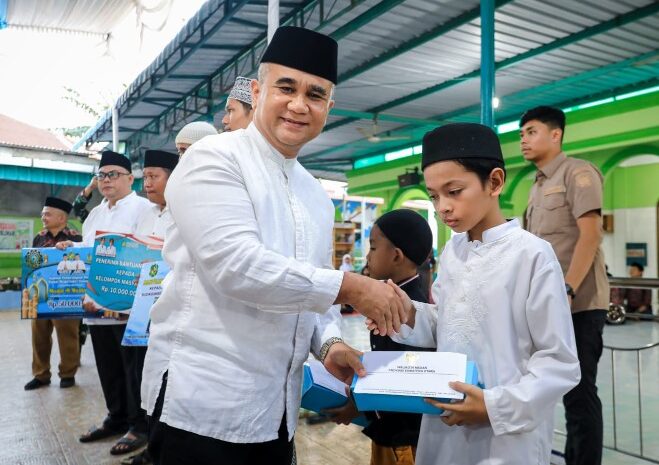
(384, 304)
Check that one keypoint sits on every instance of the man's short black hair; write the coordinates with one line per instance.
(638, 266)
(482, 167)
(246, 106)
(552, 117)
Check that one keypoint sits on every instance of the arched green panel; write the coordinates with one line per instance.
(404, 194)
(625, 154)
(506, 198)
(418, 193)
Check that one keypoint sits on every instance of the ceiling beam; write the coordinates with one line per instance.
(381, 117)
(248, 23)
(444, 118)
(297, 17)
(618, 21)
(410, 45)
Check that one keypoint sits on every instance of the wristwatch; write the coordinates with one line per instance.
(324, 350)
(569, 290)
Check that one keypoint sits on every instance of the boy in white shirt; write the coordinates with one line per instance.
(500, 299)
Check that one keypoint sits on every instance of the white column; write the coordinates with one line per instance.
(273, 18)
(115, 129)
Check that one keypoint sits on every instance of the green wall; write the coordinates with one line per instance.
(605, 135)
(632, 187)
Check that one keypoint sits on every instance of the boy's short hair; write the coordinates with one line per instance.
(481, 167)
(638, 266)
(552, 117)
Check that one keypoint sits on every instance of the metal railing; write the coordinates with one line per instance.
(636, 283)
(642, 454)
(639, 386)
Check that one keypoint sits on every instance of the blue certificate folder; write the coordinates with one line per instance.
(316, 397)
(149, 288)
(53, 282)
(116, 266)
(402, 403)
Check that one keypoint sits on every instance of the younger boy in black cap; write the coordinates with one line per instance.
(500, 299)
(400, 242)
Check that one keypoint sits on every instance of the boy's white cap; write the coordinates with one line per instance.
(192, 132)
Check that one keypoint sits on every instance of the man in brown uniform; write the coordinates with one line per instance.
(565, 209)
(54, 216)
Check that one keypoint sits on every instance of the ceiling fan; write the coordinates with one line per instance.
(372, 134)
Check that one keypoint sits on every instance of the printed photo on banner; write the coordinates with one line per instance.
(54, 282)
(115, 270)
(15, 234)
(149, 288)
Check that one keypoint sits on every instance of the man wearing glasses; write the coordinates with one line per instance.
(119, 212)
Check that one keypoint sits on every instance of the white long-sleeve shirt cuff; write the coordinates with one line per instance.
(425, 325)
(324, 291)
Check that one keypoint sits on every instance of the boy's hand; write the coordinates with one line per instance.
(373, 299)
(342, 361)
(345, 414)
(470, 411)
(408, 308)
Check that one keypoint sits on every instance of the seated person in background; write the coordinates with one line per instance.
(616, 293)
(400, 242)
(638, 300)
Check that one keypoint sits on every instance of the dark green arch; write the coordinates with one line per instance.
(625, 154)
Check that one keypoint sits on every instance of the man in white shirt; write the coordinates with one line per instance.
(111, 250)
(80, 266)
(70, 264)
(191, 133)
(158, 166)
(101, 249)
(119, 212)
(238, 112)
(252, 286)
(62, 267)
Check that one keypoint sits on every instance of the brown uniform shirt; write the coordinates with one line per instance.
(565, 190)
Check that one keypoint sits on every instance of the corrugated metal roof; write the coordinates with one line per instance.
(420, 59)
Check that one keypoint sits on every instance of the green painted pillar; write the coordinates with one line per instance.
(487, 62)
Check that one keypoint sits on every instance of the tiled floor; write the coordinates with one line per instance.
(42, 426)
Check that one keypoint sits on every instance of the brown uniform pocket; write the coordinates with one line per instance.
(553, 200)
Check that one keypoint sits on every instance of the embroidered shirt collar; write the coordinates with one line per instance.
(496, 233)
(269, 151)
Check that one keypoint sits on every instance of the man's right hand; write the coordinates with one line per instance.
(375, 300)
(410, 311)
(63, 245)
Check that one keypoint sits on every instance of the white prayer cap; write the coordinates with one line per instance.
(192, 132)
(242, 90)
